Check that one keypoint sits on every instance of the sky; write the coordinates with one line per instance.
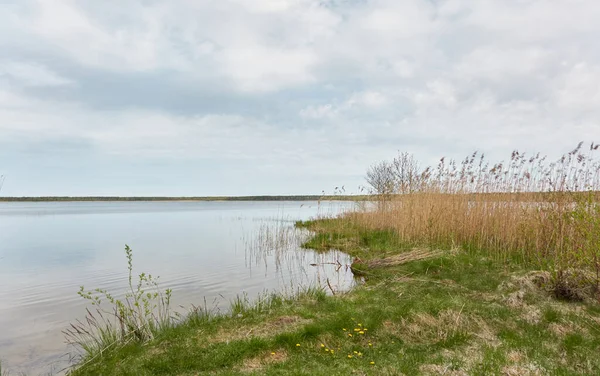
(247, 97)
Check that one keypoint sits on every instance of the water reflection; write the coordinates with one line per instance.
(201, 250)
(279, 243)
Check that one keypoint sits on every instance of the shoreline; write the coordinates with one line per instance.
(420, 311)
(184, 199)
(476, 197)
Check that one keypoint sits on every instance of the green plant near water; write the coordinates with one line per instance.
(143, 311)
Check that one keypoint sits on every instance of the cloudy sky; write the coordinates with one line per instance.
(243, 97)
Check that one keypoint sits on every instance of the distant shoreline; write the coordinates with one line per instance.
(200, 198)
(491, 196)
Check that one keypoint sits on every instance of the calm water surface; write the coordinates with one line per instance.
(212, 250)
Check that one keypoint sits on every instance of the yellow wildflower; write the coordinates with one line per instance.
(297, 345)
(359, 353)
(370, 344)
(326, 350)
(356, 330)
(359, 324)
(349, 334)
(272, 353)
(356, 352)
(349, 356)
(361, 332)
(322, 345)
(372, 363)
(344, 329)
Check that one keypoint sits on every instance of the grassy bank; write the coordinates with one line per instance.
(419, 311)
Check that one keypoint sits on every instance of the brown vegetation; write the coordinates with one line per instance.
(529, 209)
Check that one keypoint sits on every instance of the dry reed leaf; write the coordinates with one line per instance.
(403, 258)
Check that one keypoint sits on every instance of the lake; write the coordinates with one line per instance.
(211, 251)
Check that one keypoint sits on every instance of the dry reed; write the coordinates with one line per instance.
(529, 209)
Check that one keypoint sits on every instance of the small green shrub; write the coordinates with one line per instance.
(138, 316)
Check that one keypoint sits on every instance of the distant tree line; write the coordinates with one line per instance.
(202, 198)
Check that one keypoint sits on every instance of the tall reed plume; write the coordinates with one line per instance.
(529, 208)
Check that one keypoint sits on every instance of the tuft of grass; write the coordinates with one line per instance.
(138, 317)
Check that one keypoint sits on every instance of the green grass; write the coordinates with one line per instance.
(455, 312)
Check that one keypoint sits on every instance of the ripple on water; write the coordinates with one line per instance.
(214, 250)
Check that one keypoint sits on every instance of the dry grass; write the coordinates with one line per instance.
(258, 363)
(562, 329)
(425, 328)
(523, 370)
(402, 258)
(527, 209)
(437, 369)
(265, 329)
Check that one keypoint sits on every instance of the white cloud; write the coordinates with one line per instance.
(402, 68)
(255, 68)
(30, 74)
(372, 99)
(136, 46)
(259, 45)
(360, 101)
(580, 90)
(401, 19)
(266, 6)
(438, 94)
(496, 63)
(319, 112)
(309, 84)
(534, 20)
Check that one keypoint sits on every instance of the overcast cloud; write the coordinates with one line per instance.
(242, 97)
